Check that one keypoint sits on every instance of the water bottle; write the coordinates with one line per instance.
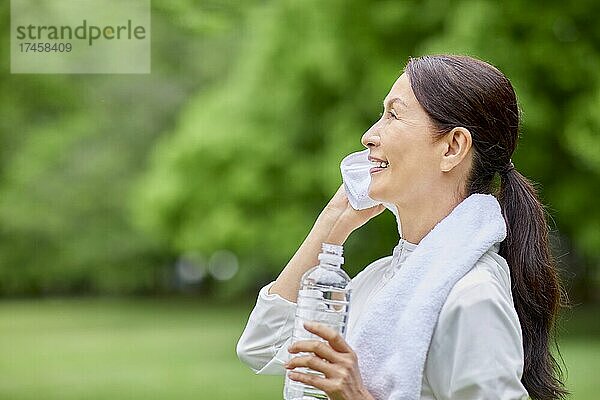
(324, 297)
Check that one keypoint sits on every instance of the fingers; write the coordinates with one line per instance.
(313, 362)
(340, 198)
(313, 380)
(334, 360)
(376, 210)
(361, 217)
(379, 208)
(341, 190)
(320, 349)
(333, 337)
(337, 204)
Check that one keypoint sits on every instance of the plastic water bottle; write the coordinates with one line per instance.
(324, 297)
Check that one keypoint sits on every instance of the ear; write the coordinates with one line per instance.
(456, 146)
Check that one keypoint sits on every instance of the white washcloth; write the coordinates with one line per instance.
(356, 177)
(392, 338)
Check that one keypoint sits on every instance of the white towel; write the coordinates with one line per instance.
(356, 177)
(392, 338)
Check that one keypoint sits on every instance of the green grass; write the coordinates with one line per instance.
(150, 349)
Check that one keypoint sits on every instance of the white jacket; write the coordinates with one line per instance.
(476, 352)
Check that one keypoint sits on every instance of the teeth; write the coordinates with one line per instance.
(381, 164)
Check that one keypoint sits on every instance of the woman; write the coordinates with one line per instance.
(450, 123)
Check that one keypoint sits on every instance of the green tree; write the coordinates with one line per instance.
(72, 146)
(253, 159)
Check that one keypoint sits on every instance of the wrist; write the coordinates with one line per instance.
(338, 238)
(338, 233)
(324, 224)
(328, 217)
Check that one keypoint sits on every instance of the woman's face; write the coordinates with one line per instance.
(402, 137)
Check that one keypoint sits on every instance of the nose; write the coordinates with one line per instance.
(371, 137)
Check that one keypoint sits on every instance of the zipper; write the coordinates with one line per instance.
(396, 257)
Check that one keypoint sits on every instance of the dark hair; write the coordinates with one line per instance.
(463, 91)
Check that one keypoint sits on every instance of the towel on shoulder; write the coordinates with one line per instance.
(393, 336)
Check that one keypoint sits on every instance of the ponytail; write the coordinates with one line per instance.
(536, 288)
(463, 91)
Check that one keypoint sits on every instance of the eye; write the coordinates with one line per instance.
(392, 113)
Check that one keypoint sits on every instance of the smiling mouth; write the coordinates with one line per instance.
(379, 166)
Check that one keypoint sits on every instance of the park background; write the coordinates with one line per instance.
(140, 214)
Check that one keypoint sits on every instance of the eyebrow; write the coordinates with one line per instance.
(394, 100)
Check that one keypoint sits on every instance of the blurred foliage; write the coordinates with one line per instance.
(73, 146)
(234, 141)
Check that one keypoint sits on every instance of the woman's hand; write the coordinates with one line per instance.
(335, 223)
(336, 360)
(343, 218)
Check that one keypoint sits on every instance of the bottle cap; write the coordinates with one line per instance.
(332, 248)
(331, 258)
